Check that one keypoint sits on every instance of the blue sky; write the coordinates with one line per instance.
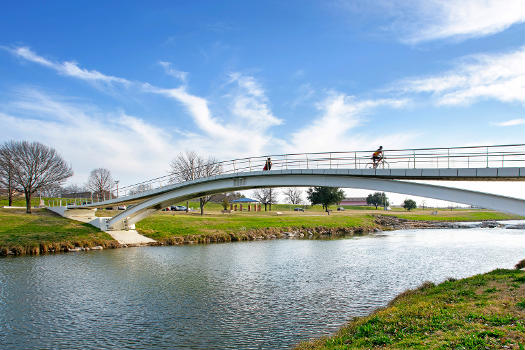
(128, 85)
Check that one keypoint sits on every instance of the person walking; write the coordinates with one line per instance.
(268, 164)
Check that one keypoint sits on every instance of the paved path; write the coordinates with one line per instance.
(130, 237)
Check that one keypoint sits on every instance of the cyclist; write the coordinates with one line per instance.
(377, 156)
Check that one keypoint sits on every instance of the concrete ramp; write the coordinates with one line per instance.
(130, 237)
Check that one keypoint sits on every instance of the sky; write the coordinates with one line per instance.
(127, 85)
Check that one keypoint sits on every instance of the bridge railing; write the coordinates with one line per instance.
(418, 158)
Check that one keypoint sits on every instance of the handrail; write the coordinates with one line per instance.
(438, 157)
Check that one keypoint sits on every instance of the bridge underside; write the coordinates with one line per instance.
(147, 203)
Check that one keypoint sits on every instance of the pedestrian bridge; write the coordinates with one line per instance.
(337, 169)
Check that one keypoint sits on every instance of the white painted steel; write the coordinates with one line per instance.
(153, 200)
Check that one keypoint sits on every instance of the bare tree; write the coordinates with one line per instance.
(189, 166)
(6, 174)
(293, 195)
(35, 167)
(140, 188)
(100, 183)
(266, 196)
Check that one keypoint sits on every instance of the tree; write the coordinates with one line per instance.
(325, 196)
(35, 167)
(190, 166)
(230, 196)
(293, 195)
(266, 196)
(140, 188)
(72, 190)
(6, 174)
(225, 203)
(409, 204)
(377, 199)
(100, 183)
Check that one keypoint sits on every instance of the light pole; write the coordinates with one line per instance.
(116, 182)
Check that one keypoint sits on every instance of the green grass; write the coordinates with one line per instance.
(43, 230)
(456, 314)
(166, 224)
(20, 201)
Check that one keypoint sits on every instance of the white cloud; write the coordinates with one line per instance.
(246, 132)
(251, 104)
(88, 137)
(339, 115)
(495, 76)
(426, 20)
(512, 122)
(182, 76)
(68, 68)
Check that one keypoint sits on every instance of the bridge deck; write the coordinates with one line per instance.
(448, 174)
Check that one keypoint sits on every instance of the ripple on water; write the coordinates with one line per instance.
(250, 295)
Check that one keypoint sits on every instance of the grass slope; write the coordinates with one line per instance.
(44, 231)
(481, 312)
(165, 225)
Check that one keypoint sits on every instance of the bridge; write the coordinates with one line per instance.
(337, 169)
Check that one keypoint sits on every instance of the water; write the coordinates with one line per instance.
(250, 295)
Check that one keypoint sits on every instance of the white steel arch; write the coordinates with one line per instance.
(151, 201)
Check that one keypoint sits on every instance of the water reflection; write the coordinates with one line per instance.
(254, 295)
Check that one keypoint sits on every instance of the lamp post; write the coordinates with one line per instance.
(116, 182)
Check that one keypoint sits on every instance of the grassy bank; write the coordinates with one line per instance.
(481, 312)
(221, 227)
(44, 231)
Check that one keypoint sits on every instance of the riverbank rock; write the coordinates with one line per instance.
(491, 224)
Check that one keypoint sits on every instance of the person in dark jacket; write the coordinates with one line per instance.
(268, 164)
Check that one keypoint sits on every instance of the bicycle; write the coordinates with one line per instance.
(382, 164)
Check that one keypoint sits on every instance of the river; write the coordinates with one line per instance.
(246, 295)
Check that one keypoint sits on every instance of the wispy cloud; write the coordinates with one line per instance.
(512, 122)
(244, 132)
(426, 20)
(87, 136)
(495, 76)
(248, 122)
(182, 76)
(251, 104)
(339, 114)
(68, 68)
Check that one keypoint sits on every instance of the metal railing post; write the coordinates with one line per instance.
(250, 163)
(448, 158)
(355, 160)
(330, 160)
(307, 161)
(487, 157)
(414, 152)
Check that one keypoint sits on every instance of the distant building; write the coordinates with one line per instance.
(356, 201)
